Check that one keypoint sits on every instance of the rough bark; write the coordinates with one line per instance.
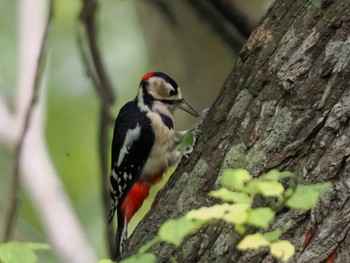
(285, 105)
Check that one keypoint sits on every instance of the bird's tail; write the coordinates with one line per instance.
(121, 235)
(111, 215)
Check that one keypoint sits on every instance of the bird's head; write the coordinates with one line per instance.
(158, 90)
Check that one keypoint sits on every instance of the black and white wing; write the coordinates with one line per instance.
(132, 143)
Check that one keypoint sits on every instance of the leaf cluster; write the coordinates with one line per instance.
(237, 194)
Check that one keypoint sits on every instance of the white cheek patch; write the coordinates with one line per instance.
(132, 135)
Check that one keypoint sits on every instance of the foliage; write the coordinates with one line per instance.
(16, 252)
(238, 193)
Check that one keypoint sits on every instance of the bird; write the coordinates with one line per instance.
(143, 147)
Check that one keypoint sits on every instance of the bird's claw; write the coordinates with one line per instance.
(188, 149)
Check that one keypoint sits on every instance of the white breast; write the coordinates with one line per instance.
(164, 141)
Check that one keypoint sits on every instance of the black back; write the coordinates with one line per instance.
(134, 160)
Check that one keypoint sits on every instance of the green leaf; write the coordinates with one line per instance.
(305, 197)
(321, 187)
(16, 252)
(209, 213)
(237, 214)
(240, 229)
(175, 230)
(275, 175)
(283, 250)
(228, 196)
(260, 217)
(189, 139)
(272, 235)
(140, 258)
(267, 189)
(235, 178)
(253, 241)
(289, 192)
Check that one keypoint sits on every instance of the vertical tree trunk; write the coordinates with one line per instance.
(286, 105)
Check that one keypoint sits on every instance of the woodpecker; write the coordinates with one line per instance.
(143, 147)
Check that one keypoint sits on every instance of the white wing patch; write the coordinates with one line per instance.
(132, 135)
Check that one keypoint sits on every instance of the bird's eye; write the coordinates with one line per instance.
(172, 92)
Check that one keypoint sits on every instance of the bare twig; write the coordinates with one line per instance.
(84, 53)
(226, 18)
(11, 216)
(225, 29)
(230, 11)
(95, 69)
(218, 14)
(88, 18)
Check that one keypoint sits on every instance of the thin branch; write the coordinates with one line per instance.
(230, 32)
(84, 50)
(107, 94)
(88, 18)
(232, 13)
(89, 68)
(225, 29)
(220, 20)
(11, 216)
(95, 69)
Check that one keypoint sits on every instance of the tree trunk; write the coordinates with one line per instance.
(286, 105)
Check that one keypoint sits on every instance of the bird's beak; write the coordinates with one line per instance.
(182, 104)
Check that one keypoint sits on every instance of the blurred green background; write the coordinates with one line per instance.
(135, 37)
